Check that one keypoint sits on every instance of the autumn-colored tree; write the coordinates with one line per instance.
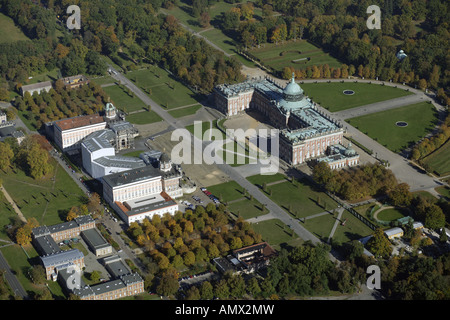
(23, 236)
(6, 156)
(61, 51)
(168, 285)
(73, 213)
(379, 244)
(247, 10)
(189, 258)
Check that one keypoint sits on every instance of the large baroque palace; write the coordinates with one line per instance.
(305, 132)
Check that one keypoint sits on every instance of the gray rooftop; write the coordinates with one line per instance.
(131, 176)
(147, 204)
(122, 126)
(94, 238)
(120, 162)
(35, 86)
(96, 142)
(46, 245)
(60, 258)
(116, 266)
(289, 101)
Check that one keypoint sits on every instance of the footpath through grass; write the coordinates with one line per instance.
(45, 199)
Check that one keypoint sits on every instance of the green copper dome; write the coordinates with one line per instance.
(293, 92)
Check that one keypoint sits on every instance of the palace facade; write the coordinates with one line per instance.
(305, 132)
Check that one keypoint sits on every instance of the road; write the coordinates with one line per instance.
(15, 285)
(113, 227)
(199, 145)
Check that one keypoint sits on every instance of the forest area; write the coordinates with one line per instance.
(419, 28)
(109, 28)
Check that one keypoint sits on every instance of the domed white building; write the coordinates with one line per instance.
(305, 133)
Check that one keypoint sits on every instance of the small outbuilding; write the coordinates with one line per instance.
(394, 233)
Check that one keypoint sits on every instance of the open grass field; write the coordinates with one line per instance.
(331, 96)
(227, 191)
(259, 179)
(6, 216)
(301, 198)
(9, 32)
(143, 117)
(390, 214)
(20, 260)
(275, 232)
(439, 160)
(122, 100)
(44, 199)
(353, 229)
(445, 191)
(297, 54)
(246, 208)
(163, 88)
(320, 226)
(187, 111)
(381, 126)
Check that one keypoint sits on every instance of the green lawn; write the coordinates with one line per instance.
(187, 111)
(353, 229)
(104, 80)
(227, 191)
(320, 226)
(9, 32)
(221, 40)
(163, 88)
(445, 191)
(439, 160)
(281, 55)
(259, 179)
(390, 214)
(246, 208)
(275, 232)
(122, 100)
(381, 126)
(7, 214)
(232, 153)
(330, 96)
(31, 195)
(302, 198)
(143, 117)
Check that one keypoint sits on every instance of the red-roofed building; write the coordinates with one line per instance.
(68, 133)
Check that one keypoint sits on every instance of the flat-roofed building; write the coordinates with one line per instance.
(96, 242)
(115, 266)
(140, 193)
